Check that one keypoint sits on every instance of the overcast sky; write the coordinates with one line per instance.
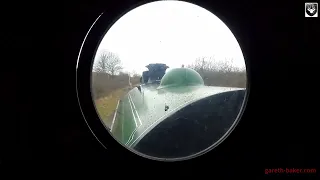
(170, 32)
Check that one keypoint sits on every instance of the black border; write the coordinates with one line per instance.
(44, 125)
(276, 38)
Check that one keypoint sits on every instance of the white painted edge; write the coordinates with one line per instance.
(114, 116)
(134, 117)
(134, 107)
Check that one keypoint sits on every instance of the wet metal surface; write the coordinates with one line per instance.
(139, 111)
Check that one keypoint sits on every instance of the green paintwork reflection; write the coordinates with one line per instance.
(181, 77)
(139, 111)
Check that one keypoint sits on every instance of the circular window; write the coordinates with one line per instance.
(168, 81)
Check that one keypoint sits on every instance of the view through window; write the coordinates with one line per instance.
(169, 80)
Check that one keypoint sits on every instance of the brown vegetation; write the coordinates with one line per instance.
(103, 84)
(107, 91)
(219, 73)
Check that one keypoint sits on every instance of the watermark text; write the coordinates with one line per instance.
(290, 171)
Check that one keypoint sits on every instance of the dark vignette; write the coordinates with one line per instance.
(262, 32)
(278, 128)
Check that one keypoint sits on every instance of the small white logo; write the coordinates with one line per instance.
(311, 9)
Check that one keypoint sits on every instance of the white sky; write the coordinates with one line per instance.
(170, 32)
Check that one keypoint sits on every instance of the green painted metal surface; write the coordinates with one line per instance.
(140, 111)
(181, 77)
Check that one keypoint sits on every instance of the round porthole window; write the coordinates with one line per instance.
(167, 80)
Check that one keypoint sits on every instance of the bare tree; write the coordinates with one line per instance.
(219, 73)
(209, 64)
(202, 65)
(108, 62)
(134, 74)
(227, 66)
(134, 78)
